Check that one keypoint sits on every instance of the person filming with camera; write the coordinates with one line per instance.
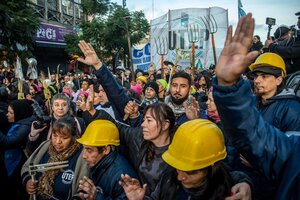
(290, 51)
(42, 128)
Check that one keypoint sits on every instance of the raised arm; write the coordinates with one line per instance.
(265, 146)
(113, 89)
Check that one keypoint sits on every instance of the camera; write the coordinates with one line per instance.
(270, 21)
(204, 87)
(40, 116)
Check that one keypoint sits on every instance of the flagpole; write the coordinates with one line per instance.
(238, 7)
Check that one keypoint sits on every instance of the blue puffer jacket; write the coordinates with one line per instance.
(282, 111)
(269, 150)
(13, 143)
(107, 174)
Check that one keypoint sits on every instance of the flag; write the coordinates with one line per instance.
(240, 9)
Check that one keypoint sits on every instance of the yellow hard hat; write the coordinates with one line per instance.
(196, 144)
(100, 133)
(142, 78)
(268, 61)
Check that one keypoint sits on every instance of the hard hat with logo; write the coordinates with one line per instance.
(100, 133)
(269, 63)
(196, 144)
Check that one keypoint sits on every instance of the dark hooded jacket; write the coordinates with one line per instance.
(16, 138)
(290, 54)
(256, 46)
(282, 111)
(273, 153)
(106, 175)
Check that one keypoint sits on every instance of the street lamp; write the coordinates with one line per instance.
(127, 20)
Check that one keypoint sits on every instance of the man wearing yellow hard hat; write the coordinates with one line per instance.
(270, 152)
(278, 105)
(106, 165)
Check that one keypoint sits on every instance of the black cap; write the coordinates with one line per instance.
(268, 70)
(298, 14)
(166, 62)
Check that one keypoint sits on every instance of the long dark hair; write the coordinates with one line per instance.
(160, 112)
(217, 184)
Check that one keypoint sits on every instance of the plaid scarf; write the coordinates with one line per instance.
(178, 110)
(147, 102)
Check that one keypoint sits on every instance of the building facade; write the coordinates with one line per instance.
(58, 18)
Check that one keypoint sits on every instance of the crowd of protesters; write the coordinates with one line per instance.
(226, 132)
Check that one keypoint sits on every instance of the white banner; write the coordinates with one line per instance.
(178, 29)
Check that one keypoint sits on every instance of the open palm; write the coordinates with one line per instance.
(90, 55)
(235, 58)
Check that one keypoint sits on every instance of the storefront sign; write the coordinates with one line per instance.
(52, 33)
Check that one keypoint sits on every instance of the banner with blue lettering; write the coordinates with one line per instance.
(141, 58)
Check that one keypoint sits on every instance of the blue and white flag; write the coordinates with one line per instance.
(240, 9)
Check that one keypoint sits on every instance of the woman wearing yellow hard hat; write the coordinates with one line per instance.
(145, 144)
(196, 153)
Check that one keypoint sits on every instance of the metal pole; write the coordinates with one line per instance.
(214, 47)
(33, 196)
(193, 60)
(127, 18)
(162, 67)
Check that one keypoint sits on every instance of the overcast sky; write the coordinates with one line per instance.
(282, 11)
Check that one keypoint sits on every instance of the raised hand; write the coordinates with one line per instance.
(90, 55)
(81, 105)
(131, 110)
(191, 107)
(240, 191)
(235, 58)
(90, 100)
(132, 188)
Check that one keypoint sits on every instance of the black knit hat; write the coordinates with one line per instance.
(151, 84)
(281, 31)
